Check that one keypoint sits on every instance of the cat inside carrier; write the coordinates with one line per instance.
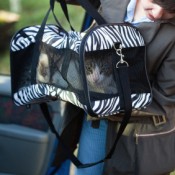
(62, 69)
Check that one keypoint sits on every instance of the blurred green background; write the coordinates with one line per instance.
(30, 12)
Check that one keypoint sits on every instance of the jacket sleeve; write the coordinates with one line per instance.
(163, 87)
(166, 79)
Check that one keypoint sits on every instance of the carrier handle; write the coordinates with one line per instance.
(64, 9)
(36, 51)
(84, 3)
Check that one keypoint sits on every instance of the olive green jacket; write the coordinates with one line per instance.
(159, 38)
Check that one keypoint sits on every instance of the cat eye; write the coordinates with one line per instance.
(88, 68)
(104, 69)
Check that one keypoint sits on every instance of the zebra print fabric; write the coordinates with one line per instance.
(99, 38)
(53, 36)
(101, 107)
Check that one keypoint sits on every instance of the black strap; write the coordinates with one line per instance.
(91, 10)
(46, 113)
(64, 8)
(85, 4)
(38, 38)
(124, 81)
(36, 51)
(75, 161)
(123, 78)
(121, 74)
(125, 95)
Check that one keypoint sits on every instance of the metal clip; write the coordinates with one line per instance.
(159, 120)
(119, 53)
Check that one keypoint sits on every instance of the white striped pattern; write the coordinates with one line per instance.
(100, 107)
(108, 35)
(53, 35)
(101, 38)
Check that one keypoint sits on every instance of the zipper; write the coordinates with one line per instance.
(153, 134)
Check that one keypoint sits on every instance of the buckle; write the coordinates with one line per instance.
(159, 120)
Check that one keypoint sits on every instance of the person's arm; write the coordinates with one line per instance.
(164, 87)
(166, 78)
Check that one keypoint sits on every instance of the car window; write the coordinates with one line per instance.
(20, 115)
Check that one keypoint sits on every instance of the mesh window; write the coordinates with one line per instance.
(59, 68)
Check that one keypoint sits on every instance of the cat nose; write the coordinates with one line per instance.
(95, 79)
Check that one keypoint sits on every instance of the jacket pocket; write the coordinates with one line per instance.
(155, 153)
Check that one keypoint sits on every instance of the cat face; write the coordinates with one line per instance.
(98, 70)
(48, 67)
(43, 70)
